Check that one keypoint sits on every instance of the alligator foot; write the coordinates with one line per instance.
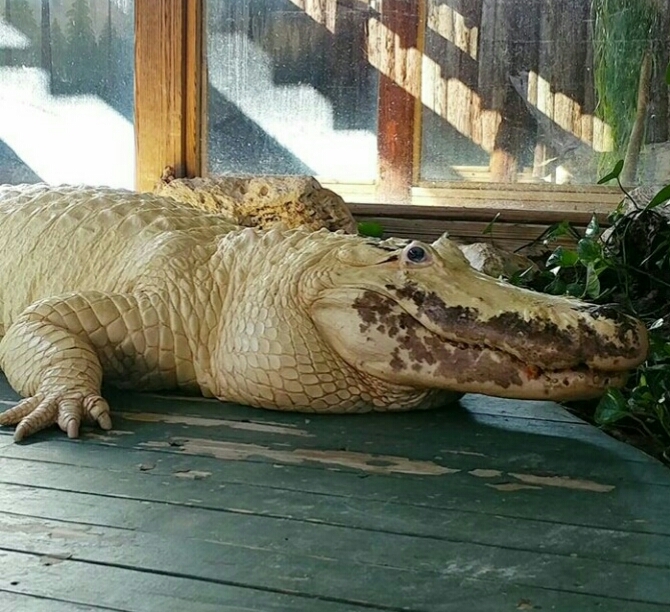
(67, 411)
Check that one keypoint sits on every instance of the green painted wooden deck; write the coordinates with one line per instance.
(195, 506)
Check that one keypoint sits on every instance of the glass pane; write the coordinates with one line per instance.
(291, 90)
(544, 90)
(66, 91)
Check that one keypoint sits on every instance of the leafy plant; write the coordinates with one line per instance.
(371, 229)
(623, 31)
(627, 264)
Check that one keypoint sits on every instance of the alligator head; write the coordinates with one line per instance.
(419, 316)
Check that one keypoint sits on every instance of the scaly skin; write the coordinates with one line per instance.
(262, 201)
(153, 294)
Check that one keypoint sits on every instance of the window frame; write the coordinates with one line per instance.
(169, 102)
(171, 124)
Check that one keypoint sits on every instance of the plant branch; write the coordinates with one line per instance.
(632, 158)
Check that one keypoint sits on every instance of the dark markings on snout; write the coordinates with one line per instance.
(625, 324)
(423, 349)
(552, 347)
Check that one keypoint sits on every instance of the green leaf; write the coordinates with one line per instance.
(592, 288)
(489, 228)
(641, 396)
(616, 172)
(588, 250)
(611, 408)
(662, 196)
(565, 258)
(667, 75)
(559, 229)
(593, 228)
(370, 228)
(556, 287)
(575, 289)
(522, 278)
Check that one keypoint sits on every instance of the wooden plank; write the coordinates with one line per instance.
(24, 602)
(198, 415)
(282, 532)
(119, 588)
(464, 213)
(477, 201)
(527, 191)
(377, 513)
(571, 448)
(123, 589)
(528, 195)
(160, 95)
(470, 215)
(571, 452)
(164, 501)
(417, 575)
(508, 236)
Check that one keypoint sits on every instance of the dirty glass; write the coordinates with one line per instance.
(290, 89)
(545, 90)
(66, 92)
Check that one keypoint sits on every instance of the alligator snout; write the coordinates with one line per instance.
(610, 339)
(548, 332)
(607, 311)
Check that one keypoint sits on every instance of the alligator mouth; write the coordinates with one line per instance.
(474, 368)
(560, 355)
(493, 371)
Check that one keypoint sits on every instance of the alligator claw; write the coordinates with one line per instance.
(41, 411)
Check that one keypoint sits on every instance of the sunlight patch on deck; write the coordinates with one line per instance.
(150, 417)
(236, 451)
(564, 482)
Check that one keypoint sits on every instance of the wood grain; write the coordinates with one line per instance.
(168, 88)
(393, 50)
(194, 89)
(159, 88)
(523, 512)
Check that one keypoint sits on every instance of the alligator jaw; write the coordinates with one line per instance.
(409, 341)
(423, 355)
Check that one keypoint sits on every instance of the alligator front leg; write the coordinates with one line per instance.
(56, 351)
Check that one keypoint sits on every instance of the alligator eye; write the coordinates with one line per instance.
(417, 254)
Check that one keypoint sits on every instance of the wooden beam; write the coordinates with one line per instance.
(168, 86)
(195, 88)
(159, 88)
(394, 51)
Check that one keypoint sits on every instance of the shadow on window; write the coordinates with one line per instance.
(12, 168)
(310, 93)
(238, 145)
(66, 77)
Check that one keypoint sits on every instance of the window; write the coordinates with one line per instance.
(414, 95)
(66, 92)
(489, 104)
(289, 92)
(528, 91)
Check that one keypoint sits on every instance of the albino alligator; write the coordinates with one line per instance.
(154, 294)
